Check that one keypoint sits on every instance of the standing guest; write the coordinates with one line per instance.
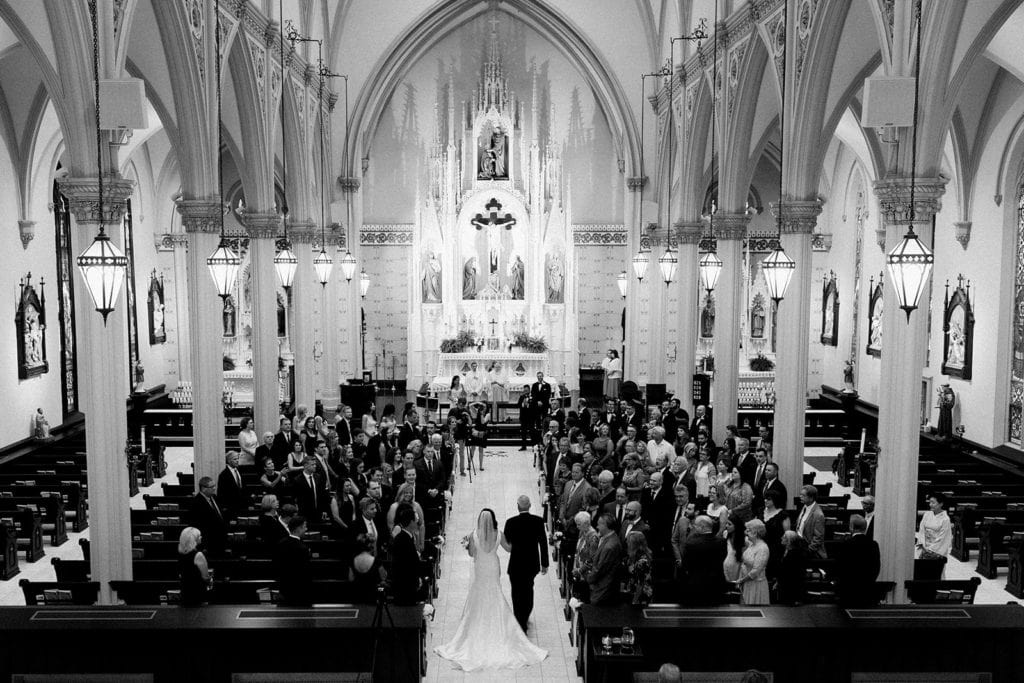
(776, 523)
(583, 420)
(525, 540)
(293, 465)
(617, 508)
(205, 514)
(271, 527)
(658, 502)
(857, 565)
(934, 534)
(682, 471)
(265, 451)
(540, 396)
(638, 570)
(717, 510)
(247, 442)
(641, 453)
(731, 442)
(633, 477)
(658, 447)
(764, 438)
(610, 417)
(194, 575)
(700, 419)
(735, 537)
(283, 442)
(739, 497)
(681, 524)
(704, 477)
(672, 419)
(790, 582)
(868, 503)
(431, 478)
(604, 447)
(760, 477)
(343, 425)
(406, 495)
(366, 572)
(744, 460)
(583, 560)
(573, 499)
(460, 432)
(456, 390)
(410, 429)
(309, 435)
(527, 419)
(612, 366)
(344, 505)
(752, 581)
(299, 421)
(605, 489)
(405, 560)
(478, 431)
(701, 579)
(632, 521)
(704, 443)
(773, 483)
(367, 522)
(291, 565)
(602, 579)
(231, 495)
(311, 495)
(811, 523)
(627, 438)
(723, 476)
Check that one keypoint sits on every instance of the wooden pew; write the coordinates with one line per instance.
(8, 551)
(60, 593)
(965, 519)
(75, 510)
(943, 592)
(51, 511)
(993, 548)
(29, 526)
(237, 592)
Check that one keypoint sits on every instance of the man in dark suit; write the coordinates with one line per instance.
(745, 461)
(611, 417)
(702, 581)
(868, 503)
(343, 426)
(584, 418)
(231, 495)
(771, 482)
(617, 508)
(366, 522)
(291, 565)
(206, 515)
(432, 482)
(857, 565)
(527, 419)
(633, 521)
(673, 419)
(526, 542)
(405, 561)
(658, 504)
(410, 430)
(540, 397)
(272, 527)
(311, 494)
(602, 579)
(283, 443)
(700, 418)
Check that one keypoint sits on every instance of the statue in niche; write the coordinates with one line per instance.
(469, 279)
(707, 318)
(947, 399)
(228, 316)
(493, 164)
(555, 279)
(757, 317)
(517, 277)
(432, 280)
(282, 322)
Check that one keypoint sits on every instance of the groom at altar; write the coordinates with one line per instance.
(525, 541)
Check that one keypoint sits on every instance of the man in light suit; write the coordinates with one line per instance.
(366, 524)
(602, 578)
(681, 524)
(574, 496)
(811, 523)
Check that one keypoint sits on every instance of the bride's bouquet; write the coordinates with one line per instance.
(465, 541)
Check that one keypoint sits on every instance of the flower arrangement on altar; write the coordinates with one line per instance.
(463, 341)
(761, 363)
(529, 344)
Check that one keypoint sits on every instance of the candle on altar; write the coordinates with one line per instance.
(863, 438)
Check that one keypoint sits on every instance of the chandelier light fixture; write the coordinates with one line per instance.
(710, 266)
(364, 283)
(223, 262)
(103, 266)
(668, 262)
(322, 264)
(285, 262)
(778, 267)
(910, 262)
(623, 282)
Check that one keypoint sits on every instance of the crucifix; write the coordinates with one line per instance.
(492, 222)
(493, 328)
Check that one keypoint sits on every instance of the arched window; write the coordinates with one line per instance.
(66, 300)
(1017, 366)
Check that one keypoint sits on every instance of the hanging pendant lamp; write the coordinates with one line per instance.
(710, 268)
(623, 282)
(364, 283)
(322, 264)
(286, 264)
(668, 264)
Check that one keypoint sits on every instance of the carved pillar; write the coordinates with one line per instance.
(304, 309)
(730, 230)
(688, 284)
(903, 356)
(349, 321)
(201, 220)
(634, 328)
(793, 343)
(102, 382)
(657, 329)
(263, 229)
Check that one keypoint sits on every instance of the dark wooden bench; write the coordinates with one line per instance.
(60, 592)
(965, 519)
(943, 592)
(75, 508)
(51, 511)
(236, 592)
(29, 527)
(994, 538)
(8, 551)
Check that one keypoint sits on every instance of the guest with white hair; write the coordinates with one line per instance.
(659, 447)
(193, 571)
(586, 549)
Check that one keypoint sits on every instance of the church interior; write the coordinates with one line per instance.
(289, 273)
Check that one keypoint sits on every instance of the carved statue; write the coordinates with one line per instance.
(848, 378)
(432, 280)
(41, 429)
(492, 156)
(229, 316)
(555, 280)
(707, 317)
(140, 377)
(469, 279)
(947, 399)
(517, 275)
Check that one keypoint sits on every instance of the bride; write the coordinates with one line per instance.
(488, 636)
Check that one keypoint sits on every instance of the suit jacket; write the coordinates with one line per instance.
(612, 509)
(614, 422)
(584, 422)
(405, 569)
(680, 534)
(670, 423)
(775, 485)
(603, 576)
(813, 532)
(857, 565)
(311, 507)
(344, 431)
(701, 577)
(747, 467)
(540, 396)
(696, 424)
(569, 505)
(606, 499)
(640, 525)
(657, 510)
(263, 452)
(408, 433)
(291, 565)
(271, 530)
(231, 495)
(526, 535)
(362, 526)
(870, 533)
(209, 519)
(281, 447)
(434, 477)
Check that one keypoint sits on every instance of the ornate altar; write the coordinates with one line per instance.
(510, 370)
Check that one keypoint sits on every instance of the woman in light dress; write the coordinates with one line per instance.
(488, 635)
(752, 581)
(407, 495)
(247, 441)
(612, 365)
(934, 534)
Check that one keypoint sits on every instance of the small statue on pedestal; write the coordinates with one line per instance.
(848, 378)
(41, 426)
(140, 378)
(947, 399)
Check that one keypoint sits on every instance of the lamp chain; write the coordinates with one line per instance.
(284, 129)
(323, 181)
(220, 133)
(96, 72)
(917, 79)
(714, 124)
(782, 113)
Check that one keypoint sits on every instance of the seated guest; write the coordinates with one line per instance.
(193, 573)
(811, 522)
(205, 514)
(776, 523)
(311, 495)
(638, 569)
(344, 505)
(739, 497)
(265, 449)
(405, 560)
(701, 579)
(753, 582)
(272, 529)
(789, 587)
(366, 572)
(583, 561)
(271, 480)
(407, 496)
(602, 579)
(231, 495)
(857, 565)
(291, 565)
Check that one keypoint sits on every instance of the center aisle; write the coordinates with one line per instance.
(508, 474)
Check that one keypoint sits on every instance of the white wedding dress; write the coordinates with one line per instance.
(488, 636)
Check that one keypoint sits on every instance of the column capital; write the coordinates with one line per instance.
(636, 183)
(962, 232)
(303, 232)
(201, 215)
(261, 225)
(799, 217)
(27, 230)
(894, 199)
(84, 198)
(731, 226)
(689, 232)
(348, 184)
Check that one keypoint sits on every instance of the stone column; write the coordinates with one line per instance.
(263, 229)
(730, 231)
(201, 221)
(631, 345)
(348, 320)
(102, 382)
(688, 284)
(793, 343)
(903, 356)
(303, 310)
(657, 330)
